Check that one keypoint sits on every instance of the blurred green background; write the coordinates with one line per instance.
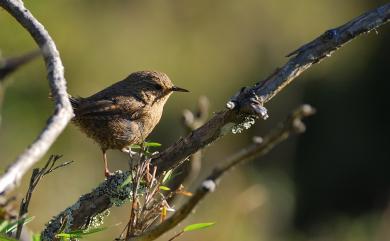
(331, 183)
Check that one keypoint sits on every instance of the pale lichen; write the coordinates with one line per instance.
(246, 124)
(110, 193)
(98, 220)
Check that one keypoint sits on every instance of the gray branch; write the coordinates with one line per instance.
(249, 100)
(63, 111)
(10, 65)
(245, 104)
(293, 124)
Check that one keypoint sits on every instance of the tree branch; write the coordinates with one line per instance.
(250, 100)
(293, 124)
(63, 110)
(242, 106)
(9, 65)
(78, 216)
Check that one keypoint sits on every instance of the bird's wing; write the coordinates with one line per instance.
(107, 108)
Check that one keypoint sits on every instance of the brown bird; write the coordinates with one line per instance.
(124, 113)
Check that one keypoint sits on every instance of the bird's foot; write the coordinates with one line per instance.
(107, 173)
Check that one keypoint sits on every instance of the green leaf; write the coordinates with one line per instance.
(80, 233)
(152, 144)
(127, 181)
(3, 226)
(6, 238)
(164, 188)
(36, 237)
(197, 226)
(135, 146)
(68, 236)
(12, 226)
(167, 176)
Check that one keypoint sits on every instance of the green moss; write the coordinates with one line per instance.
(109, 193)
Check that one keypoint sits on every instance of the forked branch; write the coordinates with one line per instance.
(63, 110)
(293, 124)
(250, 100)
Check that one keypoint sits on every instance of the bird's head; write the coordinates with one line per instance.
(154, 83)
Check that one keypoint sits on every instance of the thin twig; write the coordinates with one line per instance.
(293, 124)
(176, 236)
(10, 65)
(63, 110)
(36, 176)
(190, 170)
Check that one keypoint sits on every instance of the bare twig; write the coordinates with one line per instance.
(193, 121)
(241, 105)
(176, 235)
(293, 124)
(36, 176)
(9, 65)
(189, 171)
(63, 111)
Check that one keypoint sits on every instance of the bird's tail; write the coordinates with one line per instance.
(74, 101)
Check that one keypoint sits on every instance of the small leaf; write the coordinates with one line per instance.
(184, 193)
(167, 176)
(197, 226)
(12, 226)
(152, 144)
(163, 213)
(36, 237)
(127, 181)
(164, 188)
(67, 236)
(80, 233)
(3, 226)
(135, 146)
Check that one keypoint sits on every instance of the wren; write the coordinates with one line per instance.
(124, 113)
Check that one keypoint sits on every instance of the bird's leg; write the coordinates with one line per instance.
(107, 172)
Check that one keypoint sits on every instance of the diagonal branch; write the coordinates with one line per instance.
(10, 65)
(241, 106)
(250, 100)
(63, 111)
(293, 124)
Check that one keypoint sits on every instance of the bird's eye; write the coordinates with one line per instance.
(157, 87)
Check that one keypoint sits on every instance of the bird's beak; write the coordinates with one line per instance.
(175, 88)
